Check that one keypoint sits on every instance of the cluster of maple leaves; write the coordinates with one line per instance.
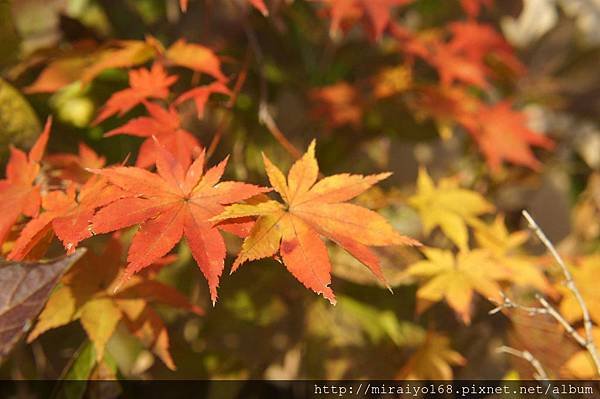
(75, 197)
(467, 56)
(171, 195)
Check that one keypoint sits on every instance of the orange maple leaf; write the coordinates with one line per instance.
(339, 104)
(201, 94)
(165, 125)
(312, 209)
(258, 4)
(19, 191)
(502, 134)
(73, 167)
(376, 13)
(195, 57)
(143, 84)
(479, 41)
(170, 205)
(473, 7)
(68, 214)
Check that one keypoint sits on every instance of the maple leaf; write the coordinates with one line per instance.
(59, 73)
(87, 290)
(165, 125)
(258, 4)
(339, 104)
(447, 206)
(392, 81)
(195, 57)
(73, 167)
(170, 205)
(432, 361)
(446, 105)
(452, 64)
(143, 84)
(456, 278)
(310, 210)
(584, 275)
(19, 191)
(504, 248)
(473, 7)
(502, 135)
(479, 41)
(120, 54)
(25, 289)
(86, 61)
(375, 12)
(201, 94)
(67, 214)
(581, 365)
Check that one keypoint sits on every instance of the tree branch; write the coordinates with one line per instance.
(588, 342)
(540, 373)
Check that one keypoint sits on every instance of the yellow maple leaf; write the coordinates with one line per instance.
(456, 278)
(505, 250)
(433, 360)
(447, 206)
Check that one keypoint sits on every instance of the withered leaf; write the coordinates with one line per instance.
(25, 289)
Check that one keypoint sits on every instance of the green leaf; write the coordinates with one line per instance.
(83, 365)
(379, 324)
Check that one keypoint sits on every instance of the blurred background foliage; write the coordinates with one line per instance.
(265, 324)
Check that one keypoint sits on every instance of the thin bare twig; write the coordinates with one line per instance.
(588, 343)
(241, 79)
(264, 116)
(545, 309)
(540, 373)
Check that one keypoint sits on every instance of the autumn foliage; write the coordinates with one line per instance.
(175, 164)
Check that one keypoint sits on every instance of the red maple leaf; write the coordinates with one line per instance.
(19, 191)
(143, 84)
(201, 94)
(165, 125)
(169, 205)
